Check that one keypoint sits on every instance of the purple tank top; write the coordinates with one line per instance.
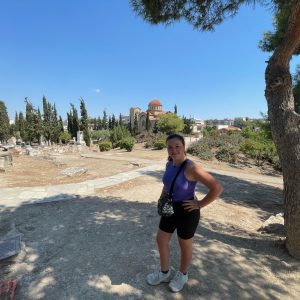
(184, 189)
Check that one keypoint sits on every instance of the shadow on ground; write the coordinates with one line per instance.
(103, 247)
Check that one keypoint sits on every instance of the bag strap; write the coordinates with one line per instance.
(173, 182)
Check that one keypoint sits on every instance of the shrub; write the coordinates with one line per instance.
(150, 138)
(101, 135)
(117, 134)
(227, 153)
(254, 149)
(200, 149)
(105, 146)
(127, 143)
(159, 144)
(64, 137)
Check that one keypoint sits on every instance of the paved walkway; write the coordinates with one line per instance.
(14, 197)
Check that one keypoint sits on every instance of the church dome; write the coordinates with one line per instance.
(155, 102)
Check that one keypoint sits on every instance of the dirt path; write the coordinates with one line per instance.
(102, 246)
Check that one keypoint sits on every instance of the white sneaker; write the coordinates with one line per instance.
(178, 282)
(157, 277)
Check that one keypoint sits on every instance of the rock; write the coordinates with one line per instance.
(273, 225)
(73, 171)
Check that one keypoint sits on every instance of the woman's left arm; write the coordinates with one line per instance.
(195, 172)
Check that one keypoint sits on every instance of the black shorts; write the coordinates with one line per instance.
(185, 222)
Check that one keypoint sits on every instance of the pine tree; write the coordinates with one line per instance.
(175, 109)
(109, 123)
(4, 123)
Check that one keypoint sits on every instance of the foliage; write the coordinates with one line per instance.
(201, 149)
(271, 40)
(65, 137)
(240, 123)
(149, 138)
(159, 144)
(100, 135)
(104, 120)
(4, 122)
(169, 123)
(188, 122)
(105, 146)
(148, 124)
(118, 134)
(296, 89)
(51, 125)
(227, 153)
(127, 143)
(210, 130)
(202, 14)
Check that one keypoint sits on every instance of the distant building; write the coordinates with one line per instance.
(154, 109)
(198, 125)
(216, 122)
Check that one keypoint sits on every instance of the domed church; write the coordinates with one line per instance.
(154, 109)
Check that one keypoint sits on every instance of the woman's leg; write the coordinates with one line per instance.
(163, 238)
(186, 247)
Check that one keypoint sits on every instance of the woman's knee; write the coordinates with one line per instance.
(163, 238)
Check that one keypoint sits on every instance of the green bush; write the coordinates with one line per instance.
(101, 135)
(117, 134)
(254, 149)
(105, 146)
(127, 143)
(159, 144)
(64, 137)
(200, 149)
(227, 153)
(149, 138)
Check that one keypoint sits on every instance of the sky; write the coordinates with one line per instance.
(101, 51)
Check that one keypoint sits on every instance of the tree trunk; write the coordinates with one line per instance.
(285, 126)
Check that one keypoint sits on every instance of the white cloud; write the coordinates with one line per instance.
(97, 90)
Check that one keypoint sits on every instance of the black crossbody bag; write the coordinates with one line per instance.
(164, 204)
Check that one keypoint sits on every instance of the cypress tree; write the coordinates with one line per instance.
(22, 126)
(99, 123)
(120, 120)
(113, 121)
(135, 125)
(75, 121)
(109, 123)
(29, 122)
(84, 122)
(4, 123)
(104, 120)
(147, 122)
(46, 120)
(61, 124)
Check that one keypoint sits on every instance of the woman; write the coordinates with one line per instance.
(186, 211)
